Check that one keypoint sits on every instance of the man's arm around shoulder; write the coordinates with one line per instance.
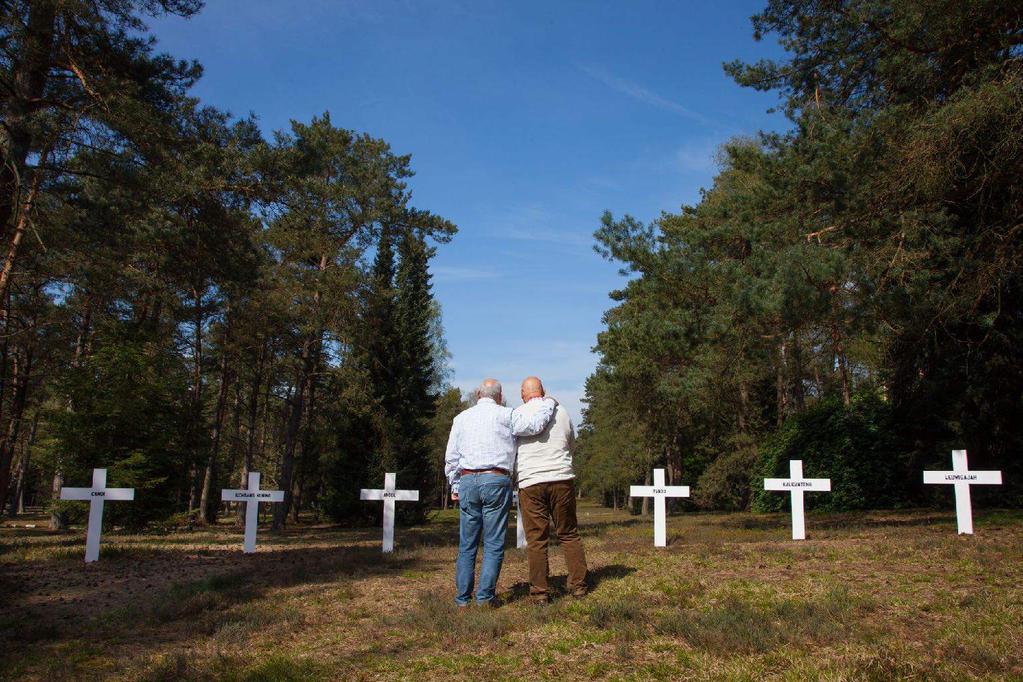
(531, 418)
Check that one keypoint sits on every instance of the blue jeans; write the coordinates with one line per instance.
(484, 500)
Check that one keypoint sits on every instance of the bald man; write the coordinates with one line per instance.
(547, 495)
(478, 462)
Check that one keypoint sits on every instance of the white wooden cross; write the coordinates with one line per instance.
(659, 492)
(962, 478)
(96, 495)
(389, 495)
(797, 485)
(251, 497)
(520, 531)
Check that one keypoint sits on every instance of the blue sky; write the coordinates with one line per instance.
(525, 121)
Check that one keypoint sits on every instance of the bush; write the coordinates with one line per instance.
(726, 483)
(859, 448)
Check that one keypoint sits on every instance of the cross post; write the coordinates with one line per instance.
(962, 478)
(389, 495)
(96, 495)
(659, 492)
(520, 531)
(251, 497)
(796, 485)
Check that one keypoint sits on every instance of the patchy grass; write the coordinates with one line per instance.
(881, 595)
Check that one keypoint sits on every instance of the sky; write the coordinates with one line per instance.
(525, 121)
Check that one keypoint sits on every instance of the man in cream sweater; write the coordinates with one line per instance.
(547, 495)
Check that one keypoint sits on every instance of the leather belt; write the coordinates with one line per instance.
(495, 470)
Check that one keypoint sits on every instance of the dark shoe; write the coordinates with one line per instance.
(492, 604)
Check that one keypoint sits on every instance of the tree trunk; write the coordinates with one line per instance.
(743, 407)
(253, 418)
(781, 385)
(195, 494)
(798, 393)
(291, 434)
(842, 365)
(14, 240)
(20, 379)
(294, 423)
(31, 67)
(644, 506)
(210, 502)
(18, 499)
(58, 521)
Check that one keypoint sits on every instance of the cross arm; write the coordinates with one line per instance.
(76, 493)
(814, 484)
(971, 477)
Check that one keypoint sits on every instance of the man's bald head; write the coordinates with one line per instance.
(532, 387)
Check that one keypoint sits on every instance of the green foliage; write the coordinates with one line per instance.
(191, 308)
(727, 482)
(873, 249)
(858, 447)
(129, 416)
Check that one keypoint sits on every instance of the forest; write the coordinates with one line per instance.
(847, 292)
(183, 300)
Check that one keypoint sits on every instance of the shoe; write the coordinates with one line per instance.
(492, 604)
(580, 592)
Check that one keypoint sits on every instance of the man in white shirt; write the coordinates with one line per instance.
(547, 495)
(478, 463)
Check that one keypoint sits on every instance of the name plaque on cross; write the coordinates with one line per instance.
(251, 497)
(962, 478)
(659, 492)
(389, 496)
(96, 496)
(796, 485)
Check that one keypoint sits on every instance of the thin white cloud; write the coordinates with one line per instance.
(455, 273)
(642, 94)
(533, 223)
(697, 156)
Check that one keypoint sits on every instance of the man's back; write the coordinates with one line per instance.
(484, 432)
(547, 456)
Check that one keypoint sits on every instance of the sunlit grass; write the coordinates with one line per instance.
(879, 595)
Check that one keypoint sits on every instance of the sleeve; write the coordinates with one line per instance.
(526, 422)
(452, 458)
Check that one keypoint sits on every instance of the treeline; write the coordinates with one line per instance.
(847, 293)
(183, 301)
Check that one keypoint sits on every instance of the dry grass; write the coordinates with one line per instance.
(869, 596)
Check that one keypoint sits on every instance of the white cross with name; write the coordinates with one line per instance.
(797, 485)
(520, 531)
(251, 497)
(96, 495)
(389, 495)
(659, 492)
(962, 478)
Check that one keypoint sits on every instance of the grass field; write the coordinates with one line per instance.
(869, 596)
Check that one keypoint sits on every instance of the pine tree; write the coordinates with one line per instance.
(417, 403)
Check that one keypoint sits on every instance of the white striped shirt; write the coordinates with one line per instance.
(483, 437)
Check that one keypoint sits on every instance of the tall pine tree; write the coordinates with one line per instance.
(417, 403)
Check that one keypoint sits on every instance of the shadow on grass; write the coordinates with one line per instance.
(557, 585)
(181, 595)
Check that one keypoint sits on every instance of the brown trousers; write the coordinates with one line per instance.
(543, 506)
